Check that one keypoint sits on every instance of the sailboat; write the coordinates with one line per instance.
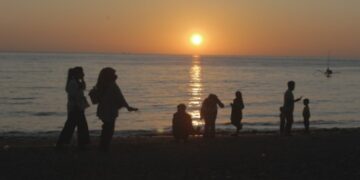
(328, 72)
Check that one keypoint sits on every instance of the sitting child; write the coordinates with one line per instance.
(182, 124)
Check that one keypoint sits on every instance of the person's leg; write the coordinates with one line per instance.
(289, 122)
(213, 125)
(206, 128)
(306, 124)
(68, 130)
(107, 134)
(212, 128)
(282, 125)
(83, 130)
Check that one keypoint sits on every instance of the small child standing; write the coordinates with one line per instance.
(306, 115)
(182, 124)
(236, 112)
(282, 121)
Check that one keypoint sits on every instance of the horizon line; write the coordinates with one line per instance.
(181, 54)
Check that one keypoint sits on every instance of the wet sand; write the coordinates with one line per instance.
(323, 154)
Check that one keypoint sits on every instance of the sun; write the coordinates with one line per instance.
(196, 39)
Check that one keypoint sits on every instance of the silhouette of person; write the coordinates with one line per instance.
(76, 106)
(236, 112)
(111, 100)
(289, 104)
(182, 124)
(306, 114)
(209, 113)
(282, 121)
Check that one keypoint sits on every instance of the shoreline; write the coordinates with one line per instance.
(322, 154)
(14, 139)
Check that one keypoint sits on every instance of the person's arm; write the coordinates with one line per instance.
(82, 84)
(219, 103)
(242, 106)
(122, 101)
(298, 99)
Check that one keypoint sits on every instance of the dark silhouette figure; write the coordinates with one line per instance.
(328, 72)
(282, 121)
(306, 115)
(209, 113)
(76, 105)
(182, 124)
(111, 100)
(289, 103)
(236, 112)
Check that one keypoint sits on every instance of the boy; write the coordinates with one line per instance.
(306, 115)
(182, 124)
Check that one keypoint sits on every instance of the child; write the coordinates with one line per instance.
(282, 121)
(236, 112)
(306, 115)
(182, 124)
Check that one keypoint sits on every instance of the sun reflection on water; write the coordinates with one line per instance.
(195, 90)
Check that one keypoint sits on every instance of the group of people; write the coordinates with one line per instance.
(106, 94)
(109, 99)
(287, 111)
(182, 122)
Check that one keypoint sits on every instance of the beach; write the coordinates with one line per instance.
(323, 154)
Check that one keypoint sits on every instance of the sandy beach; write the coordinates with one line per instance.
(324, 154)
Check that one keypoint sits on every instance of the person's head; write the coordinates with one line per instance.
(181, 108)
(70, 74)
(306, 101)
(107, 75)
(291, 85)
(212, 96)
(238, 94)
(78, 72)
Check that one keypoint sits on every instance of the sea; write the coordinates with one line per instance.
(33, 98)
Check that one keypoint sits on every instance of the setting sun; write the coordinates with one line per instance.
(196, 39)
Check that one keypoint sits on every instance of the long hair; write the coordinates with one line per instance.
(78, 75)
(106, 77)
(70, 76)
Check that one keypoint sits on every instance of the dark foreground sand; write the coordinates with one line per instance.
(324, 154)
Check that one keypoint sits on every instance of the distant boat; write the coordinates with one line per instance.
(328, 72)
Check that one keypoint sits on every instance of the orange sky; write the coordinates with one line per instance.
(234, 27)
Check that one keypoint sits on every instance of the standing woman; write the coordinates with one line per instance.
(110, 101)
(76, 106)
(236, 112)
(208, 112)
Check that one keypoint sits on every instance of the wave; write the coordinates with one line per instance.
(48, 114)
(23, 98)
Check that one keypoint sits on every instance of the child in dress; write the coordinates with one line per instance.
(236, 112)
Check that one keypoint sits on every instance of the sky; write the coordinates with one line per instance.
(228, 27)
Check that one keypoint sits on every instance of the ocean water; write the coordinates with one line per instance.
(33, 99)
